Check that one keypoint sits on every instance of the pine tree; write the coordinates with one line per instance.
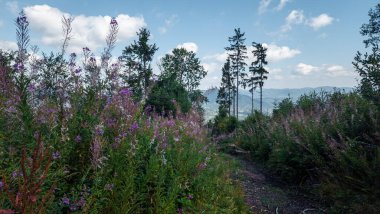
(237, 53)
(137, 58)
(259, 73)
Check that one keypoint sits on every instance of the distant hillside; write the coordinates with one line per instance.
(270, 97)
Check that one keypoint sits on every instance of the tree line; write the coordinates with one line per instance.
(234, 75)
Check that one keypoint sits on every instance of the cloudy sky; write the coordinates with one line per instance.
(310, 42)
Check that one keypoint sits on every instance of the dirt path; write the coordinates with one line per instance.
(265, 194)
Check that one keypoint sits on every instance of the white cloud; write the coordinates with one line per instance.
(173, 19)
(189, 46)
(263, 5)
(219, 57)
(337, 70)
(12, 6)
(305, 69)
(87, 31)
(295, 17)
(277, 53)
(8, 45)
(212, 67)
(282, 4)
(320, 21)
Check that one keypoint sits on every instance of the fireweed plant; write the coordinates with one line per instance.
(74, 141)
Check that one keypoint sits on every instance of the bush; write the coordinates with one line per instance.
(165, 94)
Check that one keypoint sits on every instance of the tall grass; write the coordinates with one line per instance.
(329, 141)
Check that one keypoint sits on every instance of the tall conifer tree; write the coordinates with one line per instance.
(237, 52)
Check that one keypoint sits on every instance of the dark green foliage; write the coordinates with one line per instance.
(258, 72)
(224, 98)
(137, 59)
(184, 67)
(224, 124)
(165, 94)
(330, 140)
(368, 65)
(283, 108)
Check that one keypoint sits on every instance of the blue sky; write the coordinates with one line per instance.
(310, 42)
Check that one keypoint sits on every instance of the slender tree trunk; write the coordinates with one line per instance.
(237, 95)
(229, 101)
(261, 98)
(252, 102)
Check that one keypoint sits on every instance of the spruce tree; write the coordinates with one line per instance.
(259, 73)
(237, 52)
(224, 93)
(137, 58)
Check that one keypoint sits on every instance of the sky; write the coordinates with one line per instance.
(310, 43)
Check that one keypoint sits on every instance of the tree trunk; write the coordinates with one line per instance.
(237, 95)
(252, 102)
(261, 98)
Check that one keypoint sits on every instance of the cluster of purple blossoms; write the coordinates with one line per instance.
(78, 139)
(73, 55)
(1, 185)
(78, 70)
(16, 174)
(125, 91)
(65, 200)
(99, 130)
(134, 126)
(18, 66)
(31, 88)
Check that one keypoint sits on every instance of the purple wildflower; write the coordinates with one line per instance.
(31, 88)
(134, 126)
(86, 49)
(1, 185)
(18, 66)
(99, 130)
(72, 64)
(81, 202)
(113, 21)
(190, 197)
(73, 55)
(125, 91)
(56, 155)
(78, 70)
(179, 210)
(171, 123)
(109, 187)
(65, 200)
(15, 174)
(73, 207)
(78, 139)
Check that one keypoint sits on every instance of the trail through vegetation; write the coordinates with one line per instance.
(265, 193)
